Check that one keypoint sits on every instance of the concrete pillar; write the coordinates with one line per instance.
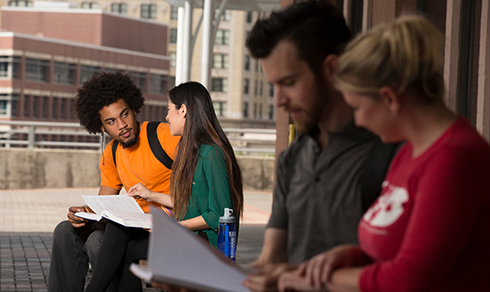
(451, 52)
(206, 45)
(483, 95)
(186, 56)
(179, 66)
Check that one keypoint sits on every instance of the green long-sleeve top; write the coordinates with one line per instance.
(210, 190)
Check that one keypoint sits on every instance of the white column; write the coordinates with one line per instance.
(206, 42)
(186, 56)
(180, 43)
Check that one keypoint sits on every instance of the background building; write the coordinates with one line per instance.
(242, 96)
(47, 53)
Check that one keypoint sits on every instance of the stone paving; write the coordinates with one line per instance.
(28, 217)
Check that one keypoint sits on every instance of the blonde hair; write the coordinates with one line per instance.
(406, 55)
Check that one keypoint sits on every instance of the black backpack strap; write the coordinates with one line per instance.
(114, 148)
(374, 171)
(292, 157)
(156, 148)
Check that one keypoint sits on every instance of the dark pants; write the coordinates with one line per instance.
(121, 247)
(72, 250)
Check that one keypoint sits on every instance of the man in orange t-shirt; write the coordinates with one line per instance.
(108, 103)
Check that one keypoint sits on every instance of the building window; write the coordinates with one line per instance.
(171, 81)
(260, 111)
(63, 109)
(255, 110)
(27, 106)
(245, 109)
(8, 105)
(261, 87)
(174, 13)
(37, 70)
(219, 108)
(246, 86)
(71, 109)
(256, 65)
(271, 112)
(173, 59)
(149, 11)
(226, 16)
(173, 36)
(86, 72)
(222, 37)
(220, 61)
(139, 79)
(256, 87)
(3, 107)
(219, 84)
(249, 17)
(113, 70)
(9, 67)
(119, 8)
(90, 5)
(35, 106)
(45, 107)
(158, 84)
(20, 3)
(55, 111)
(271, 90)
(247, 62)
(64, 73)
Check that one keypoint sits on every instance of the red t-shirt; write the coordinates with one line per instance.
(430, 228)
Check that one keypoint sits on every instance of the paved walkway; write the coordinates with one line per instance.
(28, 217)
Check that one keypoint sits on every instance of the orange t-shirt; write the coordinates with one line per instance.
(138, 164)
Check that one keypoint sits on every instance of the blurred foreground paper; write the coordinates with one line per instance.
(178, 257)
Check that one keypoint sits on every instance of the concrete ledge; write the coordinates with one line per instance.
(65, 168)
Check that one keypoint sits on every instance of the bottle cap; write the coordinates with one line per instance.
(227, 218)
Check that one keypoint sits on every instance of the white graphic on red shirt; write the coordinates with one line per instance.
(388, 208)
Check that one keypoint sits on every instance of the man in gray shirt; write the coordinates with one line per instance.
(317, 200)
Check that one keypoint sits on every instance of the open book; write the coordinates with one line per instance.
(118, 208)
(178, 257)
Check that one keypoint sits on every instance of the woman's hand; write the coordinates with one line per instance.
(318, 270)
(293, 281)
(140, 191)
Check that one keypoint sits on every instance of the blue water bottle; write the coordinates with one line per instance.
(227, 234)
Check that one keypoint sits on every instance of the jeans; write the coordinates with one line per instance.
(73, 248)
(121, 247)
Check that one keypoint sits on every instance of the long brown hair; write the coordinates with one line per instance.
(201, 126)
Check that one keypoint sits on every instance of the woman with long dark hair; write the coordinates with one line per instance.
(205, 180)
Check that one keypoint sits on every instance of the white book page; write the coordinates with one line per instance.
(89, 216)
(129, 219)
(112, 203)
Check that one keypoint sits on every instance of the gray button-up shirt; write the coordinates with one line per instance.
(323, 206)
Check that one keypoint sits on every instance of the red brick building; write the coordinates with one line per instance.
(45, 55)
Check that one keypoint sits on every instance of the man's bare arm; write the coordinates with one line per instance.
(272, 262)
(274, 249)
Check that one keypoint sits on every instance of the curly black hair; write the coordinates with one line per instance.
(103, 90)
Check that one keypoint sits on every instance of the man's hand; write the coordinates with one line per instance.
(75, 221)
(266, 281)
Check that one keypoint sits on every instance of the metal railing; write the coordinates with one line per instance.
(28, 134)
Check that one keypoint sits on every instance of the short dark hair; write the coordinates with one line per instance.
(315, 27)
(103, 90)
